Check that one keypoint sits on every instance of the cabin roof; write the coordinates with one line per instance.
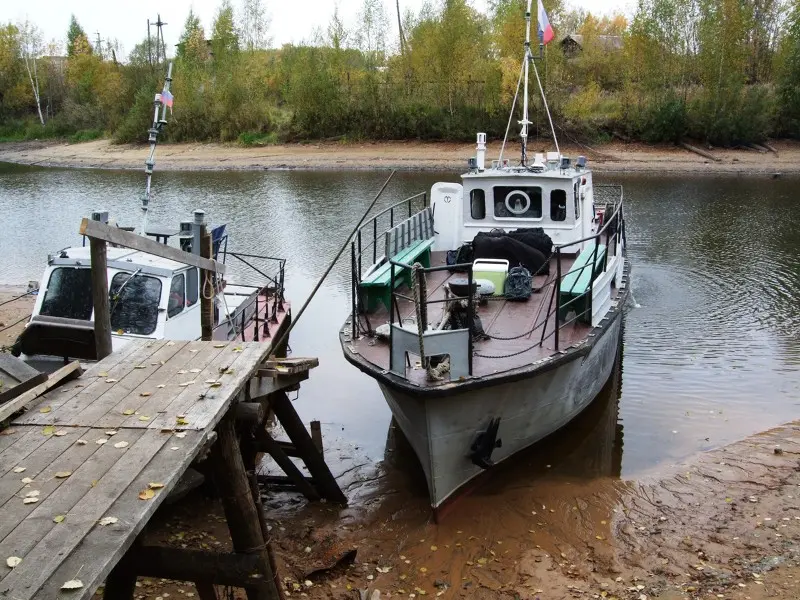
(119, 258)
(550, 175)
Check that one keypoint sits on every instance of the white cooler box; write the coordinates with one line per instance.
(495, 270)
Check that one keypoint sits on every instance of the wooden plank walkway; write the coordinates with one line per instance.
(109, 445)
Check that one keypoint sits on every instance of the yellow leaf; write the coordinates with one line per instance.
(102, 374)
(180, 421)
(72, 584)
(146, 394)
(155, 486)
(128, 411)
(146, 494)
(481, 561)
(144, 418)
(423, 569)
(81, 442)
(599, 537)
(140, 367)
(63, 474)
(216, 384)
(219, 345)
(45, 409)
(111, 381)
(13, 561)
(19, 469)
(108, 521)
(121, 445)
(434, 548)
(48, 430)
(29, 500)
(58, 518)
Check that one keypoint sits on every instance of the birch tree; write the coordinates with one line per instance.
(31, 48)
(255, 22)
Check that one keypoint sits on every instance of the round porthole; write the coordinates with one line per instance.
(518, 202)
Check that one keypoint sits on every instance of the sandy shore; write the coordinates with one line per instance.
(615, 157)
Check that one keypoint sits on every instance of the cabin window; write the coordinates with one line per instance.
(558, 205)
(577, 199)
(134, 300)
(518, 202)
(192, 281)
(477, 204)
(69, 294)
(177, 296)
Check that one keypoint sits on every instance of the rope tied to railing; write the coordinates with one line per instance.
(419, 290)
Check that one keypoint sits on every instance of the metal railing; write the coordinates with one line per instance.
(367, 236)
(419, 272)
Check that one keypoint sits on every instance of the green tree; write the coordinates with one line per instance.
(75, 34)
(789, 75)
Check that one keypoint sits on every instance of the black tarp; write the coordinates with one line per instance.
(527, 247)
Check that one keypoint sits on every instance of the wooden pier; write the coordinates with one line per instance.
(84, 470)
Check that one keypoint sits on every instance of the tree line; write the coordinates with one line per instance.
(720, 71)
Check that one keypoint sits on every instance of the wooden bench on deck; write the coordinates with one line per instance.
(574, 287)
(407, 243)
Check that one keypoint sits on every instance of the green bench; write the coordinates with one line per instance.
(407, 243)
(574, 286)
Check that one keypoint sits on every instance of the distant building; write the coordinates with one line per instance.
(572, 44)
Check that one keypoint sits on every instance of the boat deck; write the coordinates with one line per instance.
(522, 320)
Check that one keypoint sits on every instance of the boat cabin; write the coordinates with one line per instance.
(551, 193)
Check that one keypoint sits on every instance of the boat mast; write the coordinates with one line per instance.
(159, 122)
(523, 134)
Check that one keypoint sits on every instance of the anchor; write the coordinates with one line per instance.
(485, 443)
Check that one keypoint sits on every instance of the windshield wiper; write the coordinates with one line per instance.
(118, 295)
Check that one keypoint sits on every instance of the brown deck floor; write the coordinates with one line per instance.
(500, 318)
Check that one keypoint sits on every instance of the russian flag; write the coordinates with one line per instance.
(545, 29)
(166, 98)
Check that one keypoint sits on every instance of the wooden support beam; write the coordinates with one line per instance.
(250, 414)
(119, 237)
(181, 564)
(316, 435)
(267, 444)
(326, 482)
(120, 585)
(282, 480)
(207, 282)
(205, 590)
(102, 314)
(699, 151)
(240, 510)
(267, 383)
(69, 371)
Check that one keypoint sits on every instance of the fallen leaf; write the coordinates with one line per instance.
(29, 500)
(45, 409)
(182, 372)
(63, 474)
(146, 494)
(13, 561)
(58, 518)
(111, 381)
(599, 537)
(48, 430)
(60, 433)
(216, 384)
(186, 384)
(108, 521)
(121, 445)
(423, 569)
(175, 448)
(434, 548)
(81, 442)
(128, 411)
(180, 421)
(194, 370)
(19, 469)
(237, 349)
(170, 343)
(219, 345)
(481, 561)
(180, 434)
(102, 374)
(101, 441)
(112, 432)
(26, 480)
(161, 386)
(72, 584)
(140, 367)
(146, 394)
(155, 486)
(32, 494)
(383, 569)
(144, 418)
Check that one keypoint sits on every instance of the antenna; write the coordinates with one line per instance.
(159, 122)
(98, 46)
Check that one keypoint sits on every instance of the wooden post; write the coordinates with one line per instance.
(102, 314)
(206, 304)
(324, 479)
(267, 444)
(120, 584)
(316, 435)
(240, 510)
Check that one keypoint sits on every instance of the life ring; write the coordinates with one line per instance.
(517, 211)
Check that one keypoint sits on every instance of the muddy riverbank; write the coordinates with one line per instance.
(411, 156)
(723, 525)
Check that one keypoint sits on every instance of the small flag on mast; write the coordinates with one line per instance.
(166, 98)
(545, 29)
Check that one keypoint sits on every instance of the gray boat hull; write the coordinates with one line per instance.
(442, 429)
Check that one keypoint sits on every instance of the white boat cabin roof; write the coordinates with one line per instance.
(123, 259)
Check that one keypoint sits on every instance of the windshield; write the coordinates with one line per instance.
(134, 309)
(69, 294)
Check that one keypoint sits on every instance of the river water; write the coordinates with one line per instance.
(711, 348)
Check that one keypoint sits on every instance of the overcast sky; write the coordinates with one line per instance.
(126, 20)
